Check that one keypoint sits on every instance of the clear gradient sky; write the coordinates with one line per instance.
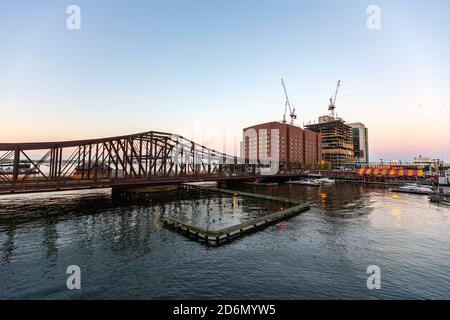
(180, 66)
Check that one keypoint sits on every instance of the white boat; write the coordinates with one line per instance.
(326, 181)
(414, 188)
(313, 183)
(411, 185)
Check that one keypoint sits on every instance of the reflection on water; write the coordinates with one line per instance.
(86, 217)
(124, 252)
(8, 245)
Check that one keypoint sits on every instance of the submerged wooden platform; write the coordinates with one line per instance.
(229, 234)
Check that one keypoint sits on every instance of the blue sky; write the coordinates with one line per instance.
(180, 65)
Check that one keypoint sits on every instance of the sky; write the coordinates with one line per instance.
(208, 68)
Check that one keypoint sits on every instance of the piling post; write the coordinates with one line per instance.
(16, 165)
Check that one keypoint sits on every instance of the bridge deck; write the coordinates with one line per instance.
(31, 186)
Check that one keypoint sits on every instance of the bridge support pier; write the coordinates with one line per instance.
(146, 191)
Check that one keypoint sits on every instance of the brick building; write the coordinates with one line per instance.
(298, 147)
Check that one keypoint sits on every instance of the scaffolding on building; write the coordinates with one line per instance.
(337, 142)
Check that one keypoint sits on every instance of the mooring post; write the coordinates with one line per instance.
(16, 165)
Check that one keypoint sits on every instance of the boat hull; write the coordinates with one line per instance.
(302, 183)
(412, 191)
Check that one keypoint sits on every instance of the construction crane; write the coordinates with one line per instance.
(288, 104)
(332, 105)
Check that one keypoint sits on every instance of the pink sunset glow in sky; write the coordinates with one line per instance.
(209, 69)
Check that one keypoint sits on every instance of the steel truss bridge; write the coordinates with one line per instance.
(149, 158)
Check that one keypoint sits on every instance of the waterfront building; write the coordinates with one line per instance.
(360, 144)
(386, 172)
(337, 141)
(297, 148)
(427, 161)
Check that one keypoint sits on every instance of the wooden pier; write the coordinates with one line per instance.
(217, 238)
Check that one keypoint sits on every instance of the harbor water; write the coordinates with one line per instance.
(124, 252)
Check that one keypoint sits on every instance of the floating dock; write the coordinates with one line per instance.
(441, 198)
(217, 238)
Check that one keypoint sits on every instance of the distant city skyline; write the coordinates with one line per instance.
(209, 69)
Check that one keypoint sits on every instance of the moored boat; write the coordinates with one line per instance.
(414, 189)
(326, 181)
(313, 183)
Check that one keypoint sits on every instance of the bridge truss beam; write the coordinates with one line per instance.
(143, 156)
